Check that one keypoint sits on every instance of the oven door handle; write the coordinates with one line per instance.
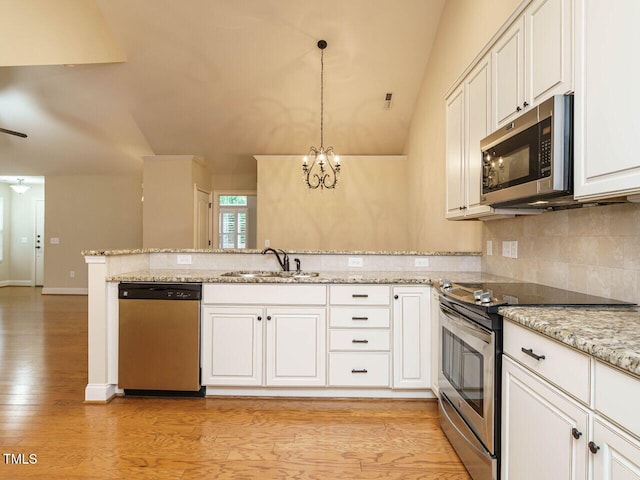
(469, 436)
(465, 325)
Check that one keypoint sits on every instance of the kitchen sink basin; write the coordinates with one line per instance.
(269, 274)
(251, 274)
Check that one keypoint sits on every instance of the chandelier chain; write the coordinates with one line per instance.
(321, 98)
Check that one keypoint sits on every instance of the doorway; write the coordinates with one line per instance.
(202, 213)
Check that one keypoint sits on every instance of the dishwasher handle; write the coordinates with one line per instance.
(159, 291)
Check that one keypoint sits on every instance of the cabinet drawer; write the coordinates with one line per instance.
(358, 317)
(359, 369)
(614, 389)
(359, 294)
(568, 369)
(264, 294)
(361, 339)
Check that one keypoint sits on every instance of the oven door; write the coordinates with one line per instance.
(466, 376)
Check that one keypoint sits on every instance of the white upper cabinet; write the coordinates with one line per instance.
(507, 57)
(468, 122)
(533, 59)
(607, 118)
(455, 153)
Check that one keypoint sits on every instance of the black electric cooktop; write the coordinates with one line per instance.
(524, 294)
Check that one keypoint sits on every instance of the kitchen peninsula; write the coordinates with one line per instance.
(408, 275)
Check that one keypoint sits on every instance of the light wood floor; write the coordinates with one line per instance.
(42, 378)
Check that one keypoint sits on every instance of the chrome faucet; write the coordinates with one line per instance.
(283, 261)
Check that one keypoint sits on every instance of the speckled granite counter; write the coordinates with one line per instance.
(290, 252)
(609, 334)
(374, 277)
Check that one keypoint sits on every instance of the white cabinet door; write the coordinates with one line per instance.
(478, 125)
(232, 346)
(549, 49)
(507, 58)
(455, 154)
(296, 347)
(533, 60)
(538, 423)
(617, 455)
(411, 337)
(607, 118)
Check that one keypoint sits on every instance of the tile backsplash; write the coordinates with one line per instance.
(593, 250)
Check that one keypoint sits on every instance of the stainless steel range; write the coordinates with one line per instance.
(471, 362)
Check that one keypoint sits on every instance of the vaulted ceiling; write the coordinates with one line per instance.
(223, 80)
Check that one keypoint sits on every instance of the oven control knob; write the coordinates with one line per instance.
(485, 297)
(445, 284)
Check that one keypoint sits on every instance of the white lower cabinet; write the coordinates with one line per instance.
(617, 455)
(539, 426)
(295, 336)
(411, 337)
(547, 434)
(232, 346)
(296, 352)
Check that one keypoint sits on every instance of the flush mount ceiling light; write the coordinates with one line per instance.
(325, 164)
(20, 188)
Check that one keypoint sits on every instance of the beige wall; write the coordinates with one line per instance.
(88, 213)
(366, 212)
(168, 209)
(465, 28)
(593, 250)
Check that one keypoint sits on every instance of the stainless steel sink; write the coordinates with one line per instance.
(251, 274)
(269, 274)
(298, 274)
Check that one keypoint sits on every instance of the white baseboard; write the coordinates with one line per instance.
(99, 392)
(213, 391)
(65, 291)
(16, 283)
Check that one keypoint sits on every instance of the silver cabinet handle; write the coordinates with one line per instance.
(359, 341)
(362, 370)
(529, 351)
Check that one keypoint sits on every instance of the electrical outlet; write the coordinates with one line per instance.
(54, 240)
(355, 261)
(489, 248)
(72, 274)
(421, 262)
(267, 243)
(514, 249)
(506, 249)
(184, 259)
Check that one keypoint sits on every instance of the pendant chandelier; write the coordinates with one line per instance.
(325, 164)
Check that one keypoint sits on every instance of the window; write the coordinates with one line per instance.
(233, 227)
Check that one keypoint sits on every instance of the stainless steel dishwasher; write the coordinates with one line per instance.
(159, 339)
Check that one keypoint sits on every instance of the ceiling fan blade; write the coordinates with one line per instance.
(11, 132)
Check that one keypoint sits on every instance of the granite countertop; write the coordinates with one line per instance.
(608, 334)
(344, 277)
(90, 253)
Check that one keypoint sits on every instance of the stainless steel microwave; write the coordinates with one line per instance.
(529, 163)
